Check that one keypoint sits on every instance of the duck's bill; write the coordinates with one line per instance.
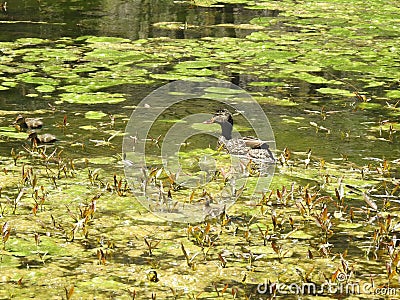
(211, 121)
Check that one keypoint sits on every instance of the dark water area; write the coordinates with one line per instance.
(129, 19)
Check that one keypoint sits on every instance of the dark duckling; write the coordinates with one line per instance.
(42, 138)
(28, 123)
(250, 146)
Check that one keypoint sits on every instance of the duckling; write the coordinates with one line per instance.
(250, 146)
(42, 138)
(28, 123)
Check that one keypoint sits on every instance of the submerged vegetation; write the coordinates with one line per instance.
(327, 76)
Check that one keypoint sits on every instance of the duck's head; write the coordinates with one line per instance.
(33, 135)
(222, 116)
(20, 119)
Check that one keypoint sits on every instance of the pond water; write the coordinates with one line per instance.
(128, 19)
(324, 72)
(53, 20)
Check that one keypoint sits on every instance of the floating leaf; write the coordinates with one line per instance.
(115, 55)
(311, 78)
(30, 77)
(45, 88)
(394, 94)
(11, 133)
(258, 36)
(240, 26)
(87, 127)
(92, 98)
(276, 101)
(94, 115)
(32, 95)
(369, 105)
(222, 90)
(332, 91)
(264, 21)
(9, 84)
(106, 39)
(174, 25)
(31, 41)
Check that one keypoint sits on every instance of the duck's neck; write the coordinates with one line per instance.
(226, 130)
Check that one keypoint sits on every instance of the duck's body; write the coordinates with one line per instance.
(42, 138)
(252, 147)
(262, 155)
(234, 146)
(28, 123)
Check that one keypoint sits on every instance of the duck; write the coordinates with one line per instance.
(28, 123)
(42, 138)
(252, 147)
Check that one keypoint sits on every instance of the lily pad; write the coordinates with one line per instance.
(9, 83)
(31, 41)
(264, 21)
(332, 91)
(221, 90)
(88, 127)
(116, 55)
(395, 94)
(94, 115)
(369, 105)
(102, 160)
(30, 77)
(106, 39)
(240, 26)
(92, 98)
(32, 95)
(301, 235)
(311, 78)
(276, 101)
(45, 88)
(174, 25)
(11, 133)
(349, 225)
